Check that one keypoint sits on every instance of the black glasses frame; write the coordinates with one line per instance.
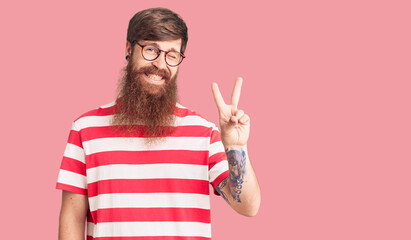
(159, 53)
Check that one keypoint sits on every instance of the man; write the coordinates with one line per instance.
(140, 167)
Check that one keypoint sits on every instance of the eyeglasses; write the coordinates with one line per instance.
(151, 53)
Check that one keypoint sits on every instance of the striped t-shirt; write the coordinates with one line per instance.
(140, 193)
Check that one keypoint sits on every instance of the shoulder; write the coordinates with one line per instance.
(95, 117)
(185, 116)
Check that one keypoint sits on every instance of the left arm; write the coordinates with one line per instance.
(240, 189)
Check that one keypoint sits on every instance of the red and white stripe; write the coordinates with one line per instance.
(140, 192)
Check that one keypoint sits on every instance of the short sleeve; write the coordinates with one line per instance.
(72, 174)
(217, 159)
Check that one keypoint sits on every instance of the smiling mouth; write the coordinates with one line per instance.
(153, 78)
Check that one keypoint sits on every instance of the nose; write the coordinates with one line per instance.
(160, 62)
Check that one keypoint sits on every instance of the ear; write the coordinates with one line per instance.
(128, 48)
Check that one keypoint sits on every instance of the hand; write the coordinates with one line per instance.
(234, 123)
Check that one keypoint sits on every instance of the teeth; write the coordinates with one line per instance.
(154, 77)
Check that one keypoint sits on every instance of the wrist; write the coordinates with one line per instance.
(235, 147)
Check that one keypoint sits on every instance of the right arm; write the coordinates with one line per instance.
(73, 216)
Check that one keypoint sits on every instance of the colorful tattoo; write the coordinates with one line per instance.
(237, 160)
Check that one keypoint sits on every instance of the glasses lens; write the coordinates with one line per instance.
(173, 58)
(150, 52)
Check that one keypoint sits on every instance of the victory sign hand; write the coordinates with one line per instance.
(234, 123)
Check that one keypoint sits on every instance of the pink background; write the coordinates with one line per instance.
(327, 89)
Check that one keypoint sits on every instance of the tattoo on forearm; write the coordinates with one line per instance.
(237, 161)
(220, 187)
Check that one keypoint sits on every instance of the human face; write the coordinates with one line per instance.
(159, 63)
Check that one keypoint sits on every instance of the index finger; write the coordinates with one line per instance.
(235, 98)
(217, 96)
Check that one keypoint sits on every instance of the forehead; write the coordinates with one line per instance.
(169, 45)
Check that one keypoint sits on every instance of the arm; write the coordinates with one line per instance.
(240, 189)
(73, 215)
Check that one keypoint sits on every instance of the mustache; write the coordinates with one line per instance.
(153, 70)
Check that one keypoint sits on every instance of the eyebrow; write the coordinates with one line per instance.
(158, 46)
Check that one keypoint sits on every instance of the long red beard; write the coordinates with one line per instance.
(145, 109)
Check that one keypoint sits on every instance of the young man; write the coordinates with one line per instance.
(140, 167)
